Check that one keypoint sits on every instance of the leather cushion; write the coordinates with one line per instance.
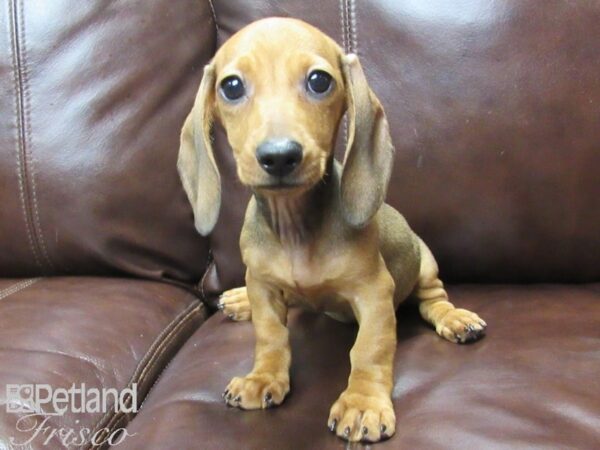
(531, 382)
(494, 110)
(106, 333)
(93, 96)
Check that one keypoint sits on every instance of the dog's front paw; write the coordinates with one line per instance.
(461, 326)
(235, 305)
(257, 391)
(358, 417)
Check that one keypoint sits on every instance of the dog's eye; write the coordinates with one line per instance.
(318, 82)
(232, 87)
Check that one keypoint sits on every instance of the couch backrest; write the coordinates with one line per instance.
(93, 97)
(494, 109)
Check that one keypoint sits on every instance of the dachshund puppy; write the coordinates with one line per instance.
(316, 233)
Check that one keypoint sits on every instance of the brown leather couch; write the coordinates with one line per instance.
(495, 112)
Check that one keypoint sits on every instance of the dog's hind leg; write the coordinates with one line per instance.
(235, 305)
(454, 324)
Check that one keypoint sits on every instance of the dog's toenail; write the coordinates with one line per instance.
(365, 431)
(347, 432)
(220, 306)
(268, 400)
(228, 396)
(225, 392)
(230, 316)
(238, 399)
(383, 428)
(333, 425)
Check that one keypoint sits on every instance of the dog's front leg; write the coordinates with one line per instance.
(269, 382)
(364, 411)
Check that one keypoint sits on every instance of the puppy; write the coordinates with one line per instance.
(316, 233)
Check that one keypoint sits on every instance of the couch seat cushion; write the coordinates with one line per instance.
(532, 382)
(104, 333)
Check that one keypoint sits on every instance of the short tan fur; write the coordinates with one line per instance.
(320, 236)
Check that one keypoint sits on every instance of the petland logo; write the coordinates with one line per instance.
(38, 403)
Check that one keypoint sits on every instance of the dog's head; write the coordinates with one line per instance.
(280, 87)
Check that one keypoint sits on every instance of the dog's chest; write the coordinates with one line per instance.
(301, 271)
(297, 270)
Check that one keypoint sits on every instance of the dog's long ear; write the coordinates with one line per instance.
(196, 162)
(369, 153)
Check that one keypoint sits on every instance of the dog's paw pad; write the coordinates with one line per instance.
(356, 417)
(256, 391)
(235, 305)
(461, 326)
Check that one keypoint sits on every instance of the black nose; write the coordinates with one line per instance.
(279, 157)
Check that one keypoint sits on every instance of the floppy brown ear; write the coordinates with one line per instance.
(369, 153)
(196, 162)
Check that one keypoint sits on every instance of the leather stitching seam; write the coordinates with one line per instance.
(154, 353)
(14, 288)
(352, 28)
(26, 93)
(214, 15)
(342, 6)
(20, 151)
